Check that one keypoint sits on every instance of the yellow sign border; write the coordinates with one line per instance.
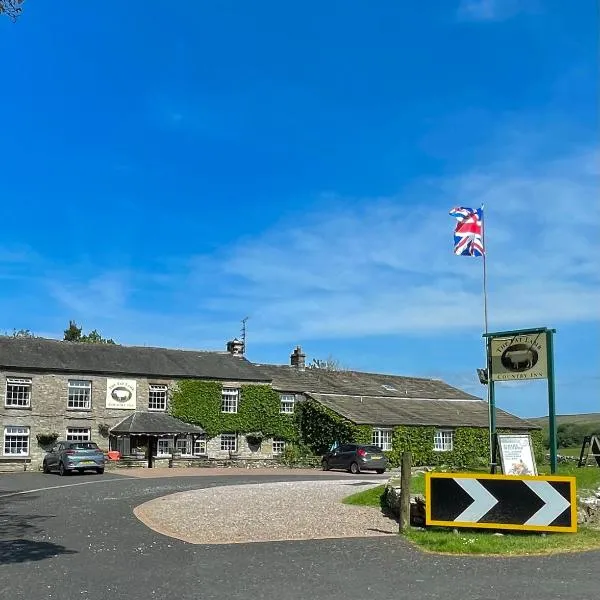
(474, 525)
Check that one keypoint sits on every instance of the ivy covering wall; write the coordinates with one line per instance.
(471, 447)
(199, 402)
(319, 427)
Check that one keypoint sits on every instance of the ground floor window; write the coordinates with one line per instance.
(382, 438)
(164, 447)
(78, 434)
(278, 446)
(16, 441)
(200, 447)
(443, 440)
(229, 442)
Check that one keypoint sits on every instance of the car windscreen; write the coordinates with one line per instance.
(373, 449)
(83, 446)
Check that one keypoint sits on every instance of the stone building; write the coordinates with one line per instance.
(81, 391)
(118, 396)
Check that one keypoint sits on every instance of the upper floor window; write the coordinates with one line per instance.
(18, 392)
(16, 441)
(157, 397)
(443, 440)
(382, 438)
(80, 394)
(229, 400)
(287, 402)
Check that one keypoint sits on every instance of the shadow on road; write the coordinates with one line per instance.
(20, 550)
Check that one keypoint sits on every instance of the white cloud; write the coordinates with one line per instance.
(491, 10)
(362, 268)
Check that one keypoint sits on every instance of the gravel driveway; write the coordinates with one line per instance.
(265, 512)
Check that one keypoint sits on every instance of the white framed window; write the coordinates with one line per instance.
(229, 400)
(16, 441)
(382, 438)
(278, 446)
(80, 394)
(78, 434)
(200, 447)
(443, 440)
(157, 397)
(164, 447)
(18, 392)
(229, 442)
(286, 403)
(184, 445)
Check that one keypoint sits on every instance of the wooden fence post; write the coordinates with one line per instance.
(405, 478)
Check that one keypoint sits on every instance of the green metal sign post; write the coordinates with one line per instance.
(521, 355)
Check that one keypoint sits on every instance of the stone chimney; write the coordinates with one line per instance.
(235, 347)
(298, 359)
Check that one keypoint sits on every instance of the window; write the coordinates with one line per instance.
(287, 403)
(157, 397)
(229, 442)
(80, 394)
(443, 440)
(278, 446)
(18, 392)
(164, 447)
(184, 445)
(16, 441)
(78, 434)
(229, 400)
(382, 438)
(199, 447)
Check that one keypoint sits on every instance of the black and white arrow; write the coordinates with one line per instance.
(483, 501)
(555, 503)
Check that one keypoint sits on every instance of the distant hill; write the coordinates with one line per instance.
(582, 419)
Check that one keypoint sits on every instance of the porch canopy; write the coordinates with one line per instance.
(155, 424)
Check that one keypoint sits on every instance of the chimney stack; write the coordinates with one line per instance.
(298, 359)
(235, 347)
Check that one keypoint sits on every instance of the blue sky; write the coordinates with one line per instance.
(168, 172)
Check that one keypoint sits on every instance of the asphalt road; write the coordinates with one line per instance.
(83, 542)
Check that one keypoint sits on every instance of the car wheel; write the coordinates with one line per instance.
(99, 471)
(325, 465)
(379, 471)
(354, 468)
(45, 468)
(61, 470)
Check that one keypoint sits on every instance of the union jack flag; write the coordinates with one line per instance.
(468, 234)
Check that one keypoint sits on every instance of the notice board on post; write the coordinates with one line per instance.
(516, 454)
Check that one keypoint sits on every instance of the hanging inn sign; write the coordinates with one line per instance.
(519, 357)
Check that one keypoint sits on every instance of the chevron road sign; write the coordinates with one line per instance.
(525, 503)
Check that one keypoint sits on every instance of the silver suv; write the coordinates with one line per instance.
(66, 457)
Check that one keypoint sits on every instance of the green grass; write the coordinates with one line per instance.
(579, 419)
(470, 541)
(473, 541)
(371, 497)
(575, 451)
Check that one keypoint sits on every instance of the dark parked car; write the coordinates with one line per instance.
(66, 457)
(355, 458)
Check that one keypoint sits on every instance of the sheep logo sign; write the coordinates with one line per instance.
(519, 357)
(120, 393)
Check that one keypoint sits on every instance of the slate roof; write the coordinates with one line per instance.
(367, 410)
(154, 423)
(291, 379)
(40, 354)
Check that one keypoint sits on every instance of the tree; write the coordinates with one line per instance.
(328, 364)
(74, 334)
(20, 333)
(11, 8)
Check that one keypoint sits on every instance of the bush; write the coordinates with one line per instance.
(295, 455)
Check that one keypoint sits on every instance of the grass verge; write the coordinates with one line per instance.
(471, 541)
(474, 541)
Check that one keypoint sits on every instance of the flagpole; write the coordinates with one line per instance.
(490, 385)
